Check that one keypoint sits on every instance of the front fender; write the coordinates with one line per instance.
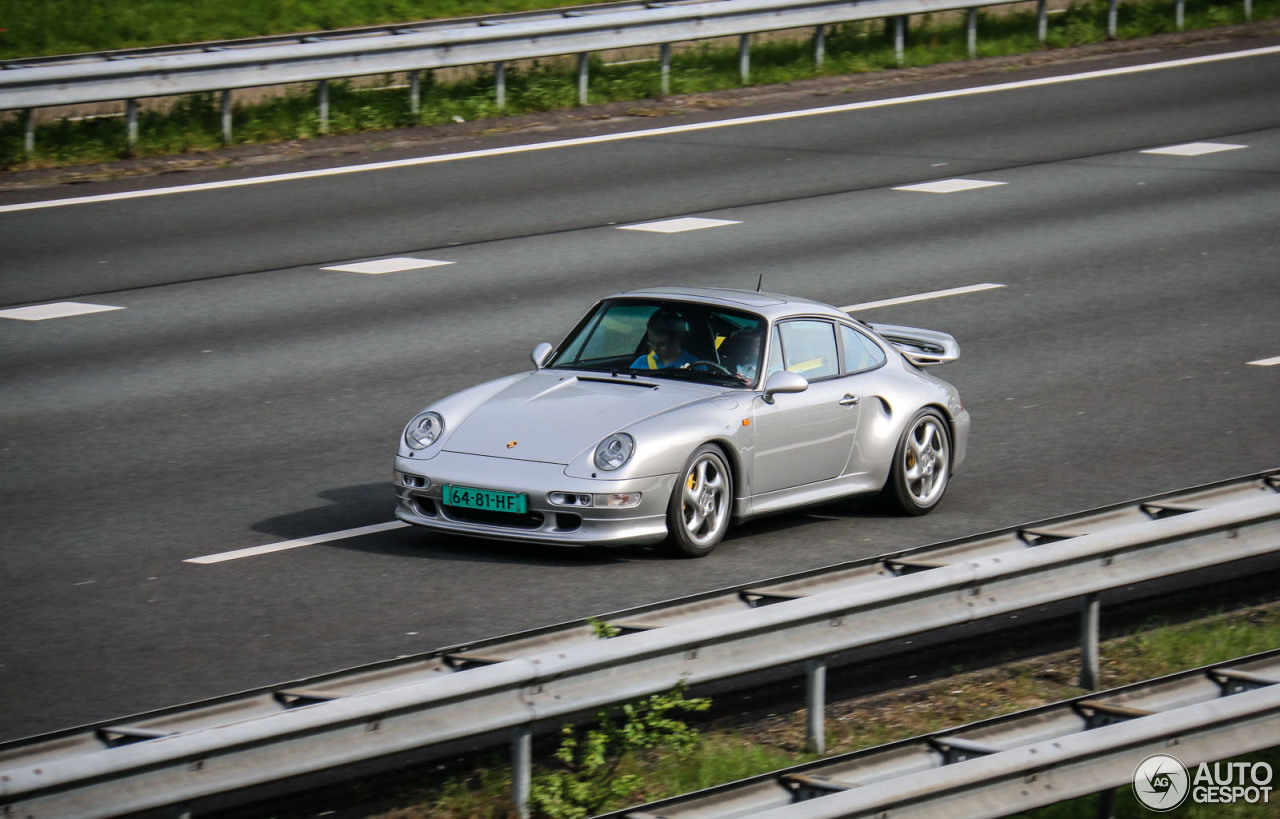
(456, 407)
(664, 442)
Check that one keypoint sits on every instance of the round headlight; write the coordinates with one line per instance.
(615, 451)
(423, 430)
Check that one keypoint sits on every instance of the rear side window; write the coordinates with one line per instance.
(809, 348)
(860, 352)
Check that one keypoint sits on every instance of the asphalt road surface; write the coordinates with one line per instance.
(241, 394)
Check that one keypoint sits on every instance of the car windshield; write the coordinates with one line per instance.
(667, 339)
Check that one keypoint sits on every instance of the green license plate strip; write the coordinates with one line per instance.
(515, 503)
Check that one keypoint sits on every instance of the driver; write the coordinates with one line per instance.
(665, 334)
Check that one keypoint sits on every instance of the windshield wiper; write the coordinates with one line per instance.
(693, 375)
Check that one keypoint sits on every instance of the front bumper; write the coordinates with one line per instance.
(419, 482)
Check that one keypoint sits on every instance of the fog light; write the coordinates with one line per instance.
(569, 499)
(618, 500)
(412, 481)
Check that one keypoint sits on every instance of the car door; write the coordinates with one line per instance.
(861, 362)
(805, 437)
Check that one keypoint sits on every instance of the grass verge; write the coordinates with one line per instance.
(192, 124)
(51, 27)
(725, 753)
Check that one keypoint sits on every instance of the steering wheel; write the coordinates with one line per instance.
(713, 366)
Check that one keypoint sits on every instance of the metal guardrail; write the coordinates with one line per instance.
(412, 48)
(491, 40)
(996, 767)
(180, 755)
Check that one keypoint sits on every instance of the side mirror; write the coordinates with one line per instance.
(540, 354)
(784, 381)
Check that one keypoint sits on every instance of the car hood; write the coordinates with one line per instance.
(553, 415)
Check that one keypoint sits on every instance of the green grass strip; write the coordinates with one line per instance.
(193, 124)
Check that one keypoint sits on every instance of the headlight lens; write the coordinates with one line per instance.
(423, 430)
(615, 451)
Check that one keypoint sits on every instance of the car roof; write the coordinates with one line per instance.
(771, 305)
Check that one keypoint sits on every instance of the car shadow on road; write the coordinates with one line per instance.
(354, 507)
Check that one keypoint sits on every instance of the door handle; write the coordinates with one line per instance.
(849, 400)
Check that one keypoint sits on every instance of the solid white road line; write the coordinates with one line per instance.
(268, 548)
(936, 294)
(674, 129)
(1266, 362)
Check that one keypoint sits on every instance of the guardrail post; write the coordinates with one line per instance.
(819, 45)
(29, 131)
(415, 93)
(664, 57)
(816, 705)
(1090, 614)
(1180, 14)
(322, 97)
(500, 83)
(521, 768)
(131, 124)
(1042, 21)
(900, 38)
(582, 78)
(1248, 11)
(971, 31)
(1111, 18)
(226, 116)
(1107, 804)
(744, 57)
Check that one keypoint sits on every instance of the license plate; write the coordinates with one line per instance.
(486, 499)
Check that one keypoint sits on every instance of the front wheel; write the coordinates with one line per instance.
(699, 509)
(921, 465)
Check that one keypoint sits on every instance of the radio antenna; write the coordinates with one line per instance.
(759, 282)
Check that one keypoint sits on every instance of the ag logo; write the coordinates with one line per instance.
(1160, 782)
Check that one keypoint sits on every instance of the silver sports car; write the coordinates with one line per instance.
(668, 413)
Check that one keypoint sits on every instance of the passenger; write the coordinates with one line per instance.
(665, 334)
(741, 353)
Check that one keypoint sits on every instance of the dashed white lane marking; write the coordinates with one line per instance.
(1195, 149)
(936, 294)
(62, 309)
(380, 266)
(950, 186)
(1266, 362)
(679, 225)
(675, 129)
(268, 548)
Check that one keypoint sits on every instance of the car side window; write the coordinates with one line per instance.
(809, 348)
(860, 352)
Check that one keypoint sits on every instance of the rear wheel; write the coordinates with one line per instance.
(921, 465)
(701, 501)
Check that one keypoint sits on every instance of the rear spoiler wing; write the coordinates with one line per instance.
(923, 348)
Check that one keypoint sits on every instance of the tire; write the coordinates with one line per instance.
(701, 504)
(921, 465)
